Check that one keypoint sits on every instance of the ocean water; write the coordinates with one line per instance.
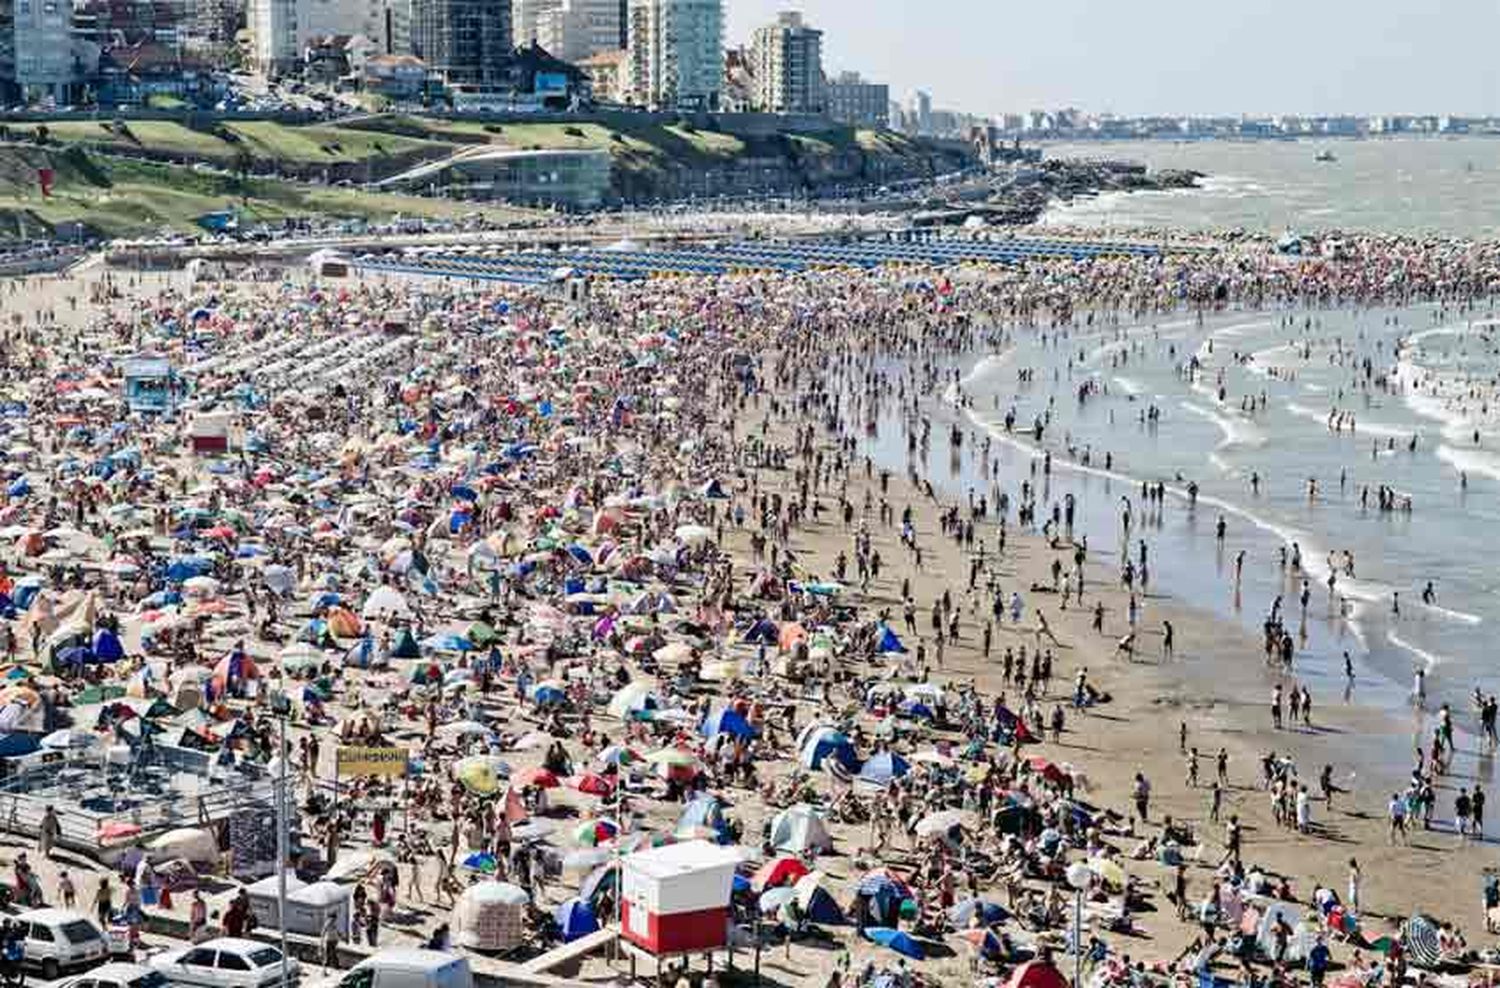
(1444, 185)
(1431, 385)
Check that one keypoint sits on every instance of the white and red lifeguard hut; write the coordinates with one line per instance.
(675, 899)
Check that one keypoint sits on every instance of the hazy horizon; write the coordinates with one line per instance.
(1163, 57)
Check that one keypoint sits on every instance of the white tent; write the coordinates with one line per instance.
(799, 827)
(189, 843)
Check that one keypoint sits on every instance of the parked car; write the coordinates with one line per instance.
(61, 940)
(405, 967)
(227, 962)
(118, 974)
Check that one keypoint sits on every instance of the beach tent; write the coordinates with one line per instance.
(883, 768)
(899, 941)
(816, 903)
(575, 919)
(1036, 974)
(634, 699)
(800, 827)
(888, 640)
(781, 870)
(704, 812)
(107, 647)
(187, 843)
(726, 720)
(824, 743)
(405, 646)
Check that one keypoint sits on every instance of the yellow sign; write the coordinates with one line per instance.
(372, 761)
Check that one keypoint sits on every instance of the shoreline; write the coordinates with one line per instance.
(1224, 701)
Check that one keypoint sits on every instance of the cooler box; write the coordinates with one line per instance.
(676, 898)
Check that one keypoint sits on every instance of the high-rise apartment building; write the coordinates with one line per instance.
(852, 100)
(676, 53)
(466, 42)
(575, 29)
(786, 60)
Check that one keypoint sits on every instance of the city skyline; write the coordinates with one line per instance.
(1166, 58)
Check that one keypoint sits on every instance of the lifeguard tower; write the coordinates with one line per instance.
(151, 385)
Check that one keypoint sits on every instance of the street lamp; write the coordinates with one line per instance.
(281, 709)
(1079, 876)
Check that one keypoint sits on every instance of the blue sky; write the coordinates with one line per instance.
(1164, 56)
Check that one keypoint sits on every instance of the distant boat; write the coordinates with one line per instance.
(1326, 156)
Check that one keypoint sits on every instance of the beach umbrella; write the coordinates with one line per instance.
(898, 940)
(535, 776)
(1422, 943)
(983, 940)
(591, 833)
(482, 773)
(481, 861)
(592, 783)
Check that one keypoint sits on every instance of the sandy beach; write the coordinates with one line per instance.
(692, 419)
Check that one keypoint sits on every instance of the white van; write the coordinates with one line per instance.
(406, 967)
(60, 940)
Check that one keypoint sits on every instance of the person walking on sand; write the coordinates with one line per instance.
(1397, 815)
(47, 832)
(1167, 640)
(1140, 791)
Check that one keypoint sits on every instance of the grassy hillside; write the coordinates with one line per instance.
(119, 197)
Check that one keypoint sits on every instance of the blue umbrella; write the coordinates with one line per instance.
(898, 940)
(581, 554)
(464, 492)
(482, 861)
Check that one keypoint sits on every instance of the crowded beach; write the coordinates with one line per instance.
(509, 587)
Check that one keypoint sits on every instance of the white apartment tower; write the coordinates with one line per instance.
(676, 53)
(575, 29)
(273, 33)
(526, 17)
(786, 60)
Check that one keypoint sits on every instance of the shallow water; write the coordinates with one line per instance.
(1444, 185)
(1303, 370)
